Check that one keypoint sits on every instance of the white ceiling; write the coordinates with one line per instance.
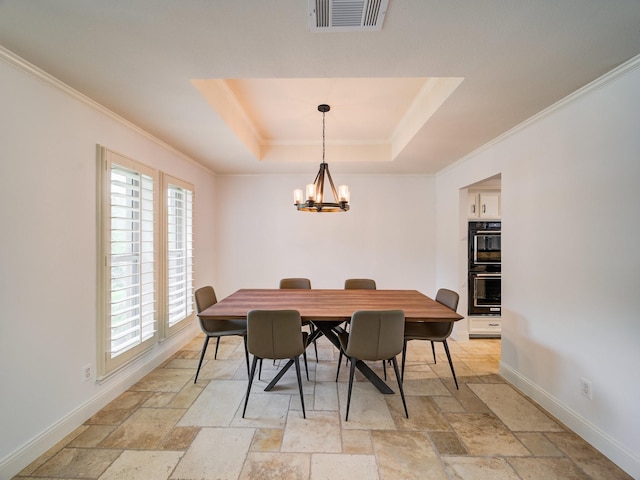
(235, 84)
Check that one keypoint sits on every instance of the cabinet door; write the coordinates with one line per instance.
(472, 207)
(489, 205)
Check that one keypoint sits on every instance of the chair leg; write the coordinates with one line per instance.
(404, 357)
(246, 353)
(446, 349)
(404, 402)
(204, 349)
(306, 367)
(339, 362)
(215, 355)
(351, 372)
(296, 360)
(433, 350)
(251, 374)
(260, 370)
(384, 368)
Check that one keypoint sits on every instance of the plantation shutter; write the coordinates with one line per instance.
(179, 253)
(132, 293)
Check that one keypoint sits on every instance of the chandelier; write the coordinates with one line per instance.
(315, 199)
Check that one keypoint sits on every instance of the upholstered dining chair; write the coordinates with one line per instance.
(359, 284)
(363, 284)
(302, 284)
(374, 335)
(276, 335)
(433, 331)
(205, 297)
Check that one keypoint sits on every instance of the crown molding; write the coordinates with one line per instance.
(24, 66)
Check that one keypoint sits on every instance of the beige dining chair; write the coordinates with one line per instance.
(276, 335)
(363, 284)
(206, 297)
(374, 335)
(433, 331)
(302, 284)
(359, 284)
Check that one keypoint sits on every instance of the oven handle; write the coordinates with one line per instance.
(496, 232)
(487, 274)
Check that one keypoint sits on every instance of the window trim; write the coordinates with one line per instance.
(105, 364)
(167, 330)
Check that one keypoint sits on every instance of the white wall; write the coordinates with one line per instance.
(48, 258)
(571, 264)
(387, 235)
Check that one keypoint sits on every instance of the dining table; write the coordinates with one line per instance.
(328, 309)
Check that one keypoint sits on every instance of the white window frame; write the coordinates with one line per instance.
(106, 362)
(177, 310)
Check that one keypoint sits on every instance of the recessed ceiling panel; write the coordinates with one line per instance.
(379, 113)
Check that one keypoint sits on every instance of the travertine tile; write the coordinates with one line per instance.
(267, 440)
(216, 406)
(448, 404)
(447, 443)
(592, 462)
(485, 435)
(215, 453)
(423, 414)
(515, 411)
(166, 420)
(78, 463)
(357, 441)
(119, 409)
(283, 466)
(406, 455)
(368, 410)
(538, 444)
(479, 468)
(319, 432)
(142, 465)
(423, 386)
(264, 410)
(544, 468)
(145, 428)
(337, 466)
(179, 438)
(164, 380)
(92, 436)
(326, 396)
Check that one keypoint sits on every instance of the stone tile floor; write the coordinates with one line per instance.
(167, 427)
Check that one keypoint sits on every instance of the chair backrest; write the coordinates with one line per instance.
(205, 297)
(376, 334)
(299, 283)
(274, 334)
(360, 284)
(448, 298)
(441, 330)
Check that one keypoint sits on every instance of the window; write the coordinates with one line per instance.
(145, 284)
(178, 219)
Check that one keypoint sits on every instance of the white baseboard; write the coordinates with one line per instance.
(609, 447)
(16, 462)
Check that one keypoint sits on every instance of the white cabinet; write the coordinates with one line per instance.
(484, 326)
(484, 205)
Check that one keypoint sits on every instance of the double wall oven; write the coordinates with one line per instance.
(485, 273)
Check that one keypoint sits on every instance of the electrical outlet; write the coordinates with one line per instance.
(585, 388)
(86, 373)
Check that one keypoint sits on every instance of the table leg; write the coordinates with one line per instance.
(282, 371)
(327, 329)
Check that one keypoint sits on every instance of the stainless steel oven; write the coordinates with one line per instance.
(485, 268)
(485, 245)
(485, 293)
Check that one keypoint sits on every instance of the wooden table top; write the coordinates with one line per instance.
(330, 305)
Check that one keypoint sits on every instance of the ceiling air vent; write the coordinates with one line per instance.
(346, 15)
